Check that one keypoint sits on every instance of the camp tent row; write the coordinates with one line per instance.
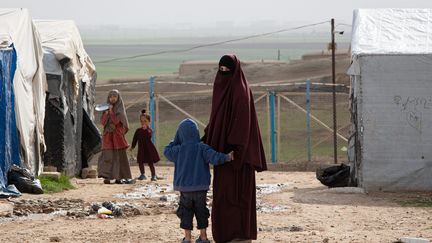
(30, 54)
(70, 135)
(390, 147)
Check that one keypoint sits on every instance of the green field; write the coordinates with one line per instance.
(168, 63)
(293, 134)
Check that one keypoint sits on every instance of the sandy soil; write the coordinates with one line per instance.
(302, 211)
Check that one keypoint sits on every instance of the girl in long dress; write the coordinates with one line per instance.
(113, 162)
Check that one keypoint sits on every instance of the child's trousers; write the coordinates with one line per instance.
(193, 204)
(152, 168)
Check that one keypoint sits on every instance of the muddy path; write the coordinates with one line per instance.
(292, 207)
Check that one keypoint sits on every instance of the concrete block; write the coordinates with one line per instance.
(50, 169)
(88, 173)
(413, 240)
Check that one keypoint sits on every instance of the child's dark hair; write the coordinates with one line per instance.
(145, 115)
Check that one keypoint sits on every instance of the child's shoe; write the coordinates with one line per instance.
(155, 178)
(142, 177)
(201, 241)
(185, 241)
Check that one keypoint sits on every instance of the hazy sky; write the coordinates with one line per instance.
(199, 13)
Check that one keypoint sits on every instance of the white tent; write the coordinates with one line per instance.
(71, 78)
(391, 99)
(16, 27)
(62, 38)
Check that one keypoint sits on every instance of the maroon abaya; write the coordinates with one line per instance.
(233, 126)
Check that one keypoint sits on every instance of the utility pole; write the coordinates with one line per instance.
(333, 47)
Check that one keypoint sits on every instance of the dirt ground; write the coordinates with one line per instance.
(292, 207)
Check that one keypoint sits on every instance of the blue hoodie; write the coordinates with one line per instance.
(191, 158)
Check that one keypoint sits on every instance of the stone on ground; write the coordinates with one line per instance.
(413, 240)
(6, 209)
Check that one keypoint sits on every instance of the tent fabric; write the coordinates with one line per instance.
(9, 141)
(391, 104)
(395, 118)
(59, 126)
(29, 82)
(71, 78)
(62, 38)
(92, 143)
(375, 32)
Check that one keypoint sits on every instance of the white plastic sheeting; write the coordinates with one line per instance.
(391, 99)
(392, 31)
(16, 27)
(395, 121)
(62, 38)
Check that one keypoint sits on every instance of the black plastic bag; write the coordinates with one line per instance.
(24, 180)
(91, 140)
(334, 176)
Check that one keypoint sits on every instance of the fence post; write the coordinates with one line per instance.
(308, 121)
(279, 132)
(157, 122)
(152, 104)
(268, 121)
(272, 126)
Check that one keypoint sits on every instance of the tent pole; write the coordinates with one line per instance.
(333, 47)
(308, 124)
(151, 103)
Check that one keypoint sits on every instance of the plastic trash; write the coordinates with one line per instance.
(116, 210)
(104, 210)
(95, 207)
(24, 180)
(334, 176)
(103, 216)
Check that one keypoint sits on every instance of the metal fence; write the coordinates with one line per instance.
(295, 119)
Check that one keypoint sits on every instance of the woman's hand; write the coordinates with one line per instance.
(231, 156)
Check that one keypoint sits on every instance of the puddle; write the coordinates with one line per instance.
(265, 189)
(270, 208)
(269, 188)
(293, 228)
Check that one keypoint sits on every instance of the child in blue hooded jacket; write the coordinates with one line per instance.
(191, 159)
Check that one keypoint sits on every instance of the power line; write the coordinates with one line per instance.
(210, 44)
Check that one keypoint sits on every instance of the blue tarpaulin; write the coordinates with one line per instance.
(9, 142)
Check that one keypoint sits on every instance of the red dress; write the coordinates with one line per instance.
(116, 138)
(147, 152)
